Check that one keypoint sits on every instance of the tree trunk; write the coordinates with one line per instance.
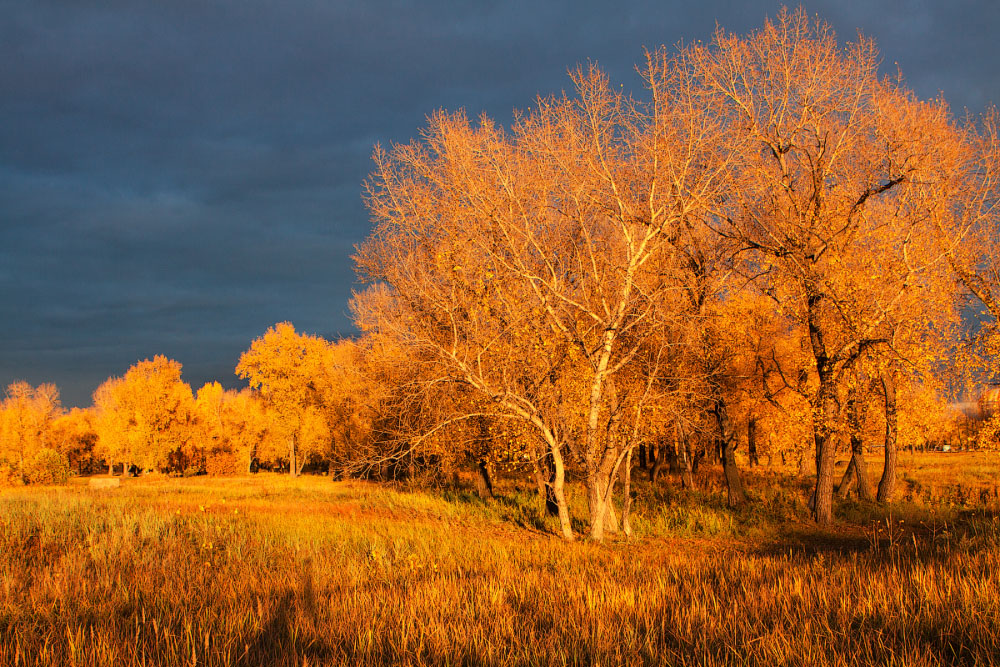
(727, 441)
(484, 485)
(687, 478)
(642, 457)
(856, 467)
(627, 490)
(545, 477)
(822, 503)
(752, 441)
(888, 481)
(600, 483)
(846, 481)
(658, 468)
(558, 482)
(292, 463)
(827, 407)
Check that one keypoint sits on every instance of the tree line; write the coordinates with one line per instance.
(771, 251)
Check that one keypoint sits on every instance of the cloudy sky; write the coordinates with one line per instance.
(177, 176)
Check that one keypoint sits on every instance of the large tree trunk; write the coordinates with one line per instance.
(829, 411)
(888, 481)
(734, 484)
(600, 484)
(822, 500)
(602, 512)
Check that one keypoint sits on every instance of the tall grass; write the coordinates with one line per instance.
(270, 571)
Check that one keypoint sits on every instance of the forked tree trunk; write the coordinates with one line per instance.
(856, 468)
(887, 484)
(847, 481)
(734, 484)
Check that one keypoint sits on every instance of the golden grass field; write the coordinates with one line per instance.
(270, 571)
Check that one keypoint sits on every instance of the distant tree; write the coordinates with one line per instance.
(290, 371)
(26, 417)
(145, 418)
(74, 434)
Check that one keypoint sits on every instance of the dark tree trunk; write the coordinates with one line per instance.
(828, 410)
(642, 457)
(627, 490)
(888, 481)
(545, 479)
(734, 484)
(669, 450)
(752, 441)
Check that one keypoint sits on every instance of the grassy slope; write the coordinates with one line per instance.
(265, 570)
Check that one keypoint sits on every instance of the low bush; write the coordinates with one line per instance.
(48, 467)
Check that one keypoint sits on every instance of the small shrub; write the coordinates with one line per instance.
(48, 467)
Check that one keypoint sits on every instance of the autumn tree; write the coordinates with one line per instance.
(290, 370)
(832, 168)
(145, 417)
(74, 435)
(528, 263)
(26, 417)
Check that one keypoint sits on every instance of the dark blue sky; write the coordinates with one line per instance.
(177, 176)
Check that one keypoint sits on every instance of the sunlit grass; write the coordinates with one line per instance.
(266, 570)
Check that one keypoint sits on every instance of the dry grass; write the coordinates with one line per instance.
(269, 571)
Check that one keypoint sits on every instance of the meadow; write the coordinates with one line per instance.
(266, 570)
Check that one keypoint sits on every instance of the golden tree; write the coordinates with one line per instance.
(26, 417)
(832, 173)
(290, 370)
(528, 263)
(74, 435)
(144, 418)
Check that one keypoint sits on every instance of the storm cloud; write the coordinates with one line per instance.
(177, 176)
